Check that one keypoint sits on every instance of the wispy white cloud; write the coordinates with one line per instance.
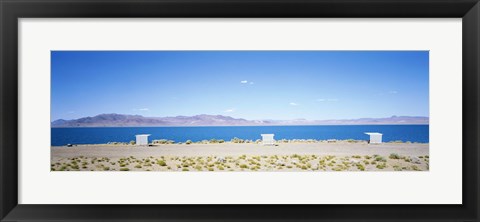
(230, 110)
(70, 112)
(246, 82)
(142, 109)
(393, 92)
(293, 104)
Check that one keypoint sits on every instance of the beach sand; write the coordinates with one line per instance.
(318, 156)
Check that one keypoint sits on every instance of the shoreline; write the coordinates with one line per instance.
(240, 141)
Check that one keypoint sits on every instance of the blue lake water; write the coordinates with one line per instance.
(97, 135)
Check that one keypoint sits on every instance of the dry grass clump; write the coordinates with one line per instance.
(163, 141)
(397, 168)
(394, 156)
(381, 166)
(161, 163)
(360, 167)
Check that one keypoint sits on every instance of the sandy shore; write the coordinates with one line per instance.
(340, 156)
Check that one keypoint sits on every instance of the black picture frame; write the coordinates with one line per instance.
(12, 10)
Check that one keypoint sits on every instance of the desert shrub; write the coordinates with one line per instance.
(213, 141)
(243, 166)
(132, 142)
(185, 169)
(124, 169)
(357, 157)
(360, 167)
(237, 140)
(188, 142)
(221, 141)
(161, 163)
(162, 141)
(138, 166)
(304, 167)
(329, 157)
(414, 167)
(210, 169)
(380, 159)
(255, 168)
(106, 168)
(338, 168)
(381, 166)
(394, 156)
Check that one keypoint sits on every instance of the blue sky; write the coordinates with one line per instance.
(281, 85)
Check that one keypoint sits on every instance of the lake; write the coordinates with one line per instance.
(98, 135)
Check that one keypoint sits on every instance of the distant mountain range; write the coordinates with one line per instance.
(120, 120)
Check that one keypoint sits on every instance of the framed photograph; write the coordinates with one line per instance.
(257, 110)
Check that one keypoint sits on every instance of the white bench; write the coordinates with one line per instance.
(267, 139)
